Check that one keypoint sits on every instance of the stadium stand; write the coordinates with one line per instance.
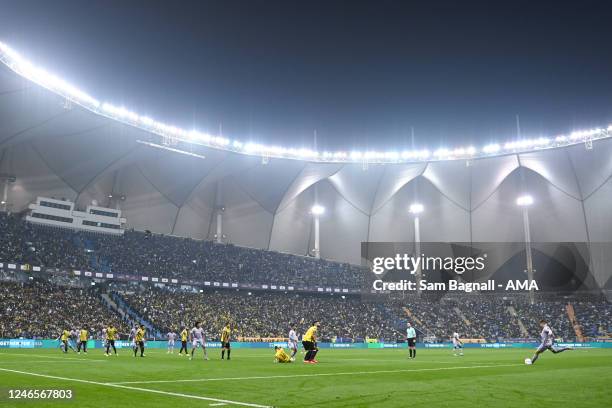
(39, 309)
(139, 253)
(258, 315)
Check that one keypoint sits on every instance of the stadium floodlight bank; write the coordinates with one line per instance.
(22, 66)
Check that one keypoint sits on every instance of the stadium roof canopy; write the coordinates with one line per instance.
(60, 142)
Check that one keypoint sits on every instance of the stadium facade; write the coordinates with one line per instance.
(56, 148)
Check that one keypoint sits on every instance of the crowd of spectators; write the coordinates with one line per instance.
(25, 243)
(39, 309)
(263, 314)
(163, 256)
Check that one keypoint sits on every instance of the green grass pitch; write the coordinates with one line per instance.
(343, 378)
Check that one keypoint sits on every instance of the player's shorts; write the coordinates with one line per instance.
(543, 347)
(412, 342)
(171, 343)
(309, 345)
(292, 344)
(197, 343)
(225, 344)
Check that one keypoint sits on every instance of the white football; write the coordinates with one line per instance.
(528, 361)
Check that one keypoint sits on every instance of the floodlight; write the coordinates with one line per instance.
(524, 201)
(416, 208)
(317, 209)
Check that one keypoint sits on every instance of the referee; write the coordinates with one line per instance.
(411, 339)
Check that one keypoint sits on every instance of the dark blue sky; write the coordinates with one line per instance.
(361, 73)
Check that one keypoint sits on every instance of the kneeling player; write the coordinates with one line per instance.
(280, 356)
(139, 339)
(548, 342)
(309, 341)
(225, 341)
(457, 345)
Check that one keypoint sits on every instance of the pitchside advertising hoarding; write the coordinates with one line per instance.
(156, 344)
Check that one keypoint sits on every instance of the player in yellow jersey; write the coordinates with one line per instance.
(225, 341)
(184, 337)
(83, 337)
(111, 336)
(65, 337)
(309, 341)
(280, 356)
(139, 339)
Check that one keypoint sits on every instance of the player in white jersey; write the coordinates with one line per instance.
(132, 337)
(197, 340)
(171, 339)
(292, 344)
(457, 345)
(548, 342)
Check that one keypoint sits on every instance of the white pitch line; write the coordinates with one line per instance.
(84, 358)
(217, 404)
(53, 361)
(408, 370)
(173, 394)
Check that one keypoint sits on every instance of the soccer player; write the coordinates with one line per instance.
(132, 337)
(225, 341)
(198, 340)
(411, 339)
(309, 341)
(457, 345)
(74, 337)
(548, 342)
(83, 336)
(293, 341)
(65, 337)
(171, 338)
(139, 339)
(184, 337)
(280, 356)
(111, 335)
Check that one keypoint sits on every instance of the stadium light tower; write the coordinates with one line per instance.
(525, 201)
(317, 210)
(6, 180)
(415, 209)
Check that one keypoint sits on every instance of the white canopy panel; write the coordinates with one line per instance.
(58, 149)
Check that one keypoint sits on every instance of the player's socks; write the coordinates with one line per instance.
(413, 353)
(228, 354)
(222, 354)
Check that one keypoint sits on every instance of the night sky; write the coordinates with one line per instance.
(361, 73)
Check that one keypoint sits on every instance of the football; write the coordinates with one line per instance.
(528, 361)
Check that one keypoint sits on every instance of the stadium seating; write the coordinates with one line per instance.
(39, 309)
(258, 314)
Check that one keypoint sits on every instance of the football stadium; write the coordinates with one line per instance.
(151, 262)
